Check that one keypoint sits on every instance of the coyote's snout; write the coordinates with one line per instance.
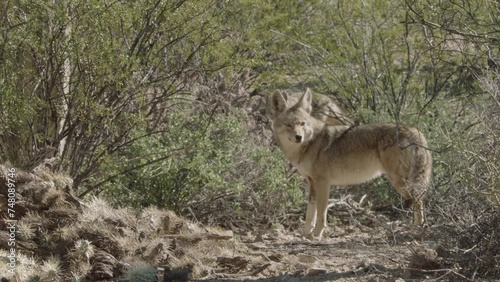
(329, 155)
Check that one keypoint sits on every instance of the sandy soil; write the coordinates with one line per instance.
(390, 251)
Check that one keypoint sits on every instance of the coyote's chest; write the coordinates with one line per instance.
(296, 154)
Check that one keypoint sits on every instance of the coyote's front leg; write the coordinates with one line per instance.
(311, 210)
(322, 195)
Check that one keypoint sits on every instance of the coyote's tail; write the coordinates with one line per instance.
(419, 178)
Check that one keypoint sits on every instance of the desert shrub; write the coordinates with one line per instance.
(469, 162)
(81, 76)
(465, 198)
(216, 171)
(201, 162)
(480, 147)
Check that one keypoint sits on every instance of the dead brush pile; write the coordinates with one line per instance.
(475, 251)
(59, 238)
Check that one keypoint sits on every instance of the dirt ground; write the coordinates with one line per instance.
(390, 251)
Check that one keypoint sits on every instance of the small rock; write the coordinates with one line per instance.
(276, 257)
(257, 246)
(278, 229)
(425, 259)
(366, 263)
(226, 234)
(221, 235)
(235, 262)
(316, 271)
(307, 258)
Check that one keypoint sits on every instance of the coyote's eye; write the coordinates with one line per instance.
(288, 125)
(303, 123)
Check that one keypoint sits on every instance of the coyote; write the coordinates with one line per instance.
(329, 155)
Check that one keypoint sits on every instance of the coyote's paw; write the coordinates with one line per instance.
(318, 233)
(312, 237)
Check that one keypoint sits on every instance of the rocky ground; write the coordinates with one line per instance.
(60, 238)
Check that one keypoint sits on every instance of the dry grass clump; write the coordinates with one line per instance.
(98, 210)
(51, 270)
(26, 266)
(75, 241)
(83, 250)
(25, 230)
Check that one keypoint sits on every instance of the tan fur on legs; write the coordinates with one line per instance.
(311, 210)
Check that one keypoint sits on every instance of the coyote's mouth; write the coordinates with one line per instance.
(296, 140)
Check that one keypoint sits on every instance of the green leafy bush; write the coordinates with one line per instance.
(213, 167)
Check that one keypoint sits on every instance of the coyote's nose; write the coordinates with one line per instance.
(298, 138)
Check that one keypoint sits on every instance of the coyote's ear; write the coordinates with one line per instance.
(306, 101)
(279, 101)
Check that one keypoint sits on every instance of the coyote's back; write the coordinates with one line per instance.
(329, 155)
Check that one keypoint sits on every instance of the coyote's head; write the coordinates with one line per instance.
(292, 122)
